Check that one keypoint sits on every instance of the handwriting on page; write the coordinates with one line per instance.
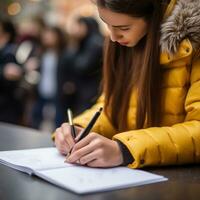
(48, 164)
(37, 159)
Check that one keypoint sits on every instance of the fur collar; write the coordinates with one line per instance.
(184, 22)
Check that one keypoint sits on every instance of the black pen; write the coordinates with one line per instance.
(86, 131)
(70, 119)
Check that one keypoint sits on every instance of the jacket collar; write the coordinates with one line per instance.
(181, 22)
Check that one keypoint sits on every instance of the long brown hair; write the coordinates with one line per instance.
(136, 68)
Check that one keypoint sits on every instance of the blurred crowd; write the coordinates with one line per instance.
(45, 69)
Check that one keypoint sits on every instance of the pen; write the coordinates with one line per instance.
(87, 129)
(90, 125)
(69, 114)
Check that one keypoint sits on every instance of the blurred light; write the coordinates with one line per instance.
(14, 8)
(32, 77)
(23, 52)
(87, 10)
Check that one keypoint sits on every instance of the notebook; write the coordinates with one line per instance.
(48, 164)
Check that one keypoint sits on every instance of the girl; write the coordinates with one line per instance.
(151, 88)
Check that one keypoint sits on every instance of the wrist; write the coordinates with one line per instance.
(119, 154)
(126, 155)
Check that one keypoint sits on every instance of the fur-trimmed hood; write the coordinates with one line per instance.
(184, 22)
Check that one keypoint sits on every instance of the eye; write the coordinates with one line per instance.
(124, 29)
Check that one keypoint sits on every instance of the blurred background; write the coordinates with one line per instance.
(50, 60)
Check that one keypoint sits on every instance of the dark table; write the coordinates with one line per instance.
(183, 184)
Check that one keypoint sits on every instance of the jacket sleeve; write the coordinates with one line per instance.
(178, 144)
(102, 126)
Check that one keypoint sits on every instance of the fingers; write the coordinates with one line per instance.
(89, 158)
(66, 130)
(77, 155)
(85, 141)
(85, 151)
(93, 159)
(63, 138)
(60, 142)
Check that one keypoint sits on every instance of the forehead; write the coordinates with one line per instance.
(115, 19)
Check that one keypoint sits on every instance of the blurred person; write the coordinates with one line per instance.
(10, 75)
(81, 67)
(28, 55)
(53, 44)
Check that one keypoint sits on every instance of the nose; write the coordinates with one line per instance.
(114, 36)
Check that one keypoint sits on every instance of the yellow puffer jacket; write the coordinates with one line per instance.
(177, 140)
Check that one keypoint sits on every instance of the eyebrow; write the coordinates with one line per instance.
(116, 26)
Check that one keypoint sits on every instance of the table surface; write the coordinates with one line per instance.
(183, 183)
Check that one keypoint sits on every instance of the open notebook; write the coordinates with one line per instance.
(48, 164)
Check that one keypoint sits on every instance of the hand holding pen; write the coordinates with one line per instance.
(65, 135)
(88, 148)
(86, 131)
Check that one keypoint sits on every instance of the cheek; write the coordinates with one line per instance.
(131, 38)
(135, 37)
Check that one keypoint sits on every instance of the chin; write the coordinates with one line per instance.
(130, 45)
